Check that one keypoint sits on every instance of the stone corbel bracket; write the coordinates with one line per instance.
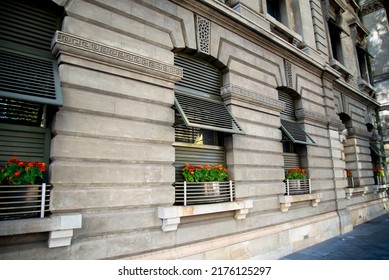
(171, 215)
(351, 191)
(60, 228)
(287, 200)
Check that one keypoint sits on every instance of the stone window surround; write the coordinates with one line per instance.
(60, 227)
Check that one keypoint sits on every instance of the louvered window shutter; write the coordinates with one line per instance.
(289, 111)
(28, 71)
(291, 160)
(296, 133)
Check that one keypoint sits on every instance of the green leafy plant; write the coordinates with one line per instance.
(296, 173)
(349, 173)
(17, 172)
(379, 172)
(204, 173)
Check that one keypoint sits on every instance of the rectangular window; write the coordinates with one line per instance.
(336, 46)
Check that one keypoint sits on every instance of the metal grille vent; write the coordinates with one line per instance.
(375, 150)
(295, 133)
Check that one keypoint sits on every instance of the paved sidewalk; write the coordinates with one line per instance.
(368, 241)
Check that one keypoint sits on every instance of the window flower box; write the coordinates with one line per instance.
(24, 201)
(296, 182)
(20, 195)
(379, 177)
(298, 186)
(350, 179)
(204, 184)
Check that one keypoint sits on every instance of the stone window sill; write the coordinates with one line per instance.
(380, 188)
(341, 68)
(287, 200)
(60, 228)
(291, 36)
(171, 215)
(352, 191)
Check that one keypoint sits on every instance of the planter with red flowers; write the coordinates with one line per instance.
(296, 182)
(350, 179)
(204, 184)
(23, 193)
(379, 180)
(298, 189)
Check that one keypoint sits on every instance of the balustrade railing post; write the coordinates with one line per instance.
(43, 200)
(287, 186)
(184, 193)
(231, 194)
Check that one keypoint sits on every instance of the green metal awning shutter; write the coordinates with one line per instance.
(206, 114)
(295, 133)
(28, 70)
(29, 78)
(375, 150)
(198, 99)
(359, 47)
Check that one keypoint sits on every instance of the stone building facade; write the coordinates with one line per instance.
(375, 18)
(144, 86)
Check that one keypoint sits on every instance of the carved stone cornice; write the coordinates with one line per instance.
(234, 92)
(370, 6)
(65, 43)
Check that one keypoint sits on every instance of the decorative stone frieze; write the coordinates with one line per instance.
(203, 34)
(288, 71)
(83, 47)
(371, 6)
(251, 97)
(312, 116)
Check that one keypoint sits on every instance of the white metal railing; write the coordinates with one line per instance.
(191, 193)
(24, 201)
(298, 186)
(379, 180)
(350, 182)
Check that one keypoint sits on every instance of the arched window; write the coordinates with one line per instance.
(202, 120)
(294, 138)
